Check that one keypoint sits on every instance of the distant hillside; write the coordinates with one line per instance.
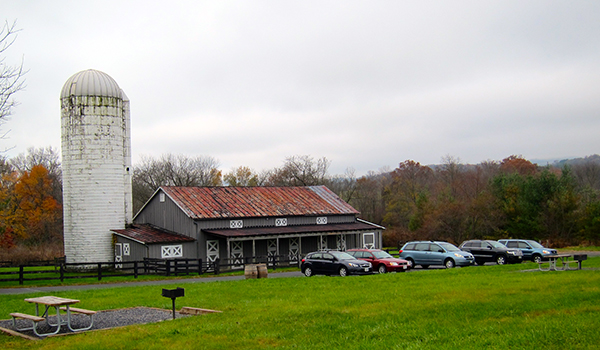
(576, 161)
(555, 162)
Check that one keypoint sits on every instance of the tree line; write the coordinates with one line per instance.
(450, 201)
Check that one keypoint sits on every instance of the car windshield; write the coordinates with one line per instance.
(496, 244)
(535, 244)
(342, 255)
(449, 247)
(380, 254)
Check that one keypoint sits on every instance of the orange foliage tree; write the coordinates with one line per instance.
(30, 213)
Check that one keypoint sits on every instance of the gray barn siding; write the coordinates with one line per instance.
(137, 251)
(189, 250)
(270, 221)
(166, 215)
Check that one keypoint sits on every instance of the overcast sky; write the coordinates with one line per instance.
(366, 84)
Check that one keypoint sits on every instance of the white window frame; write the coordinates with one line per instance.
(281, 222)
(236, 224)
(126, 249)
(171, 251)
(369, 246)
(322, 220)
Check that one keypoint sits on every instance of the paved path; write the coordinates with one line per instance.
(26, 290)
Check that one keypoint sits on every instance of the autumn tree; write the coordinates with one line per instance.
(369, 195)
(407, 195)
(518, 164)
(11, 76)
(31, 213)
(172, 170)
(345, 186)
(243, 176)
(46, 156)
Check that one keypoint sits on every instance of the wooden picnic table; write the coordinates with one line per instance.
(564, 259)
(57, 303)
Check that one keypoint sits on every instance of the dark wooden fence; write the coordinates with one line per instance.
(60, 270)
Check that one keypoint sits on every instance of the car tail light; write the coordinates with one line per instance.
(303, 260)
(400, 251)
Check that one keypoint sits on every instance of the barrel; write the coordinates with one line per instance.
(250, 271)
(262, 270)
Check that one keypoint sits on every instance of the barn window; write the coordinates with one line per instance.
(322, 220)
(369, 240)
(126, 249)
(171, 251)
(236, 224)
(162, 197)
(281, 222)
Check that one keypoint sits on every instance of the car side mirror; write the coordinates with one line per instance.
(440, 251)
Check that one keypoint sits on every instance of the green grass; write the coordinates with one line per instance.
(51, 272)
(487, 307)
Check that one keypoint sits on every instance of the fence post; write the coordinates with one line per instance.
(99, 271)
(20, 274)
(62, 271)
(217, 266)
(199, 266)
(135, 269)
(275, 258)
(168, 267)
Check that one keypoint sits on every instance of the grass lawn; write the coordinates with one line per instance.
(480, 307)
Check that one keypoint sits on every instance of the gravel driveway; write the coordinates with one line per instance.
(102, 320)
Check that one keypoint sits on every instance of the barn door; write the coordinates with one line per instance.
(237, 254)
(271, 250)
(118, 255)
(212, 250)
(341, 243)
(294, 247)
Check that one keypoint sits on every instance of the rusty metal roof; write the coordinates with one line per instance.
(148, 234)
(246, 202)
(299, 230)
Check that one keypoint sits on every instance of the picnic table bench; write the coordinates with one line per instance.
(564, 259)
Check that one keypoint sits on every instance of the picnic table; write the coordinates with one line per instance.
(58, 304)
(564, 259)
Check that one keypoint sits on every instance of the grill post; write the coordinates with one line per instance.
(173, 294)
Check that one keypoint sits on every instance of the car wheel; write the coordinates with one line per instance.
(308, 272)
(411, 262)
(382, 269)
(343, 271)
(449, 263)
(537, 258)
(501, 260)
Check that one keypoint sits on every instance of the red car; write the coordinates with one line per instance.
(381, 261)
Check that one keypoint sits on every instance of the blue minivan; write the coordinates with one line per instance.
(532, 250)
(426, 253)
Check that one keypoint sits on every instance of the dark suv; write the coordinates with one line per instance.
(492, 251)
(333, 262)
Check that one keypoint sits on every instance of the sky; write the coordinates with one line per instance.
(366, 84)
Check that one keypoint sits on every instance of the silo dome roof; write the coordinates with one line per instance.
(91, 82)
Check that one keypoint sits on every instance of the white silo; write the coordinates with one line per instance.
(96, 165)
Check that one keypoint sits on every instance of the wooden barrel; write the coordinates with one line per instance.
(250, 271)
(262, 270)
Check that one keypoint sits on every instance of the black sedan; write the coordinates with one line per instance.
(334, 263)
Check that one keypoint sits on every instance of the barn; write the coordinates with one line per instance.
(234, 223)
